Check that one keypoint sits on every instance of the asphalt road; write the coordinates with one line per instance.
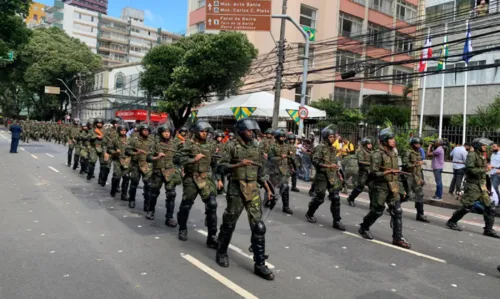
(64, 237)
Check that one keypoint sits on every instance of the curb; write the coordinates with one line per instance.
(447, 205)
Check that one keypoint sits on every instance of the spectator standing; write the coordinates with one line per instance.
(458, 155)
(495, 164)
(437, 152)
(16, 131)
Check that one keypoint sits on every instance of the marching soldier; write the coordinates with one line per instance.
(384, 190)
(181, 137)
(110, 134)
(219, 147)
(196, 157)
(165, 172)
(243, 159)
(475, 189)
(364, 157)
(327, 178)
(84, 146)
(279, 170)
(294, 161)
(412, 163)
(72, 143)
(121, 162)
(138, 149)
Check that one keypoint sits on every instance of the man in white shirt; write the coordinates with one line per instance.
(495, 172)
(459, 155)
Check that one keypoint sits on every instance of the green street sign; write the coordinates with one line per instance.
(10, 56)
(311, 32)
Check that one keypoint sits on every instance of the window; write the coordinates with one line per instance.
(308, 16)
(349, 97)
(201, 3)
(404, 43)
(200, 27)
(135, 30)
(379, 36)
(401, 76)
(35, 17)
(384, 6)
(298, 94)
(360, 2)
(440, 11)
(302, 54)
(406, 11)
(378, 71)
(345, 61)
(350, 26)
(35, 8)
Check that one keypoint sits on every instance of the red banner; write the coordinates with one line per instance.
(140, 115)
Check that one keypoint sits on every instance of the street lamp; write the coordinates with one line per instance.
(76, 98)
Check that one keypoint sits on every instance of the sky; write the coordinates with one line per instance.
(168, 14)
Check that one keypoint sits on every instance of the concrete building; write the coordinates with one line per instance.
(345, 21)
(482, 85)
(100, 6)
(117, 40)
(36, 14)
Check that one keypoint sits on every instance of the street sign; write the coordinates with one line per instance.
(303, 112)
(238, 15)
(52, 90)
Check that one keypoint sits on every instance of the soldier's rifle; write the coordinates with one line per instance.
(387, 168)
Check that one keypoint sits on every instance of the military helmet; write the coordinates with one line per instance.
(76, 121)
(366, 140)
(98, 120)
(279, 133)
(231, 135)
(84, 124)
(218, 133)
(201, 125)
(247, 124)
(120, 128)
(164, 128)
(183, 129)
(269, 131)
(116, 120)
(385, 135)
(416, 140)
(327, 132)
(291, 136)
(479, 142)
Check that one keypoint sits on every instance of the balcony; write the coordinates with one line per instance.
(111, 37)
(114, 59)
(382, 6)
(113, 28)
(54, 17)
(119, 49)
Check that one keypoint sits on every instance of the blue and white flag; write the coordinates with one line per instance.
(467, 55)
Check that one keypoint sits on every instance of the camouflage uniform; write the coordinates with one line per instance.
(411, 163)
(198, 180)
(475, 189)
(73, 144)
(279, 168)
(139, 167)
(84, 146)
(326, 179)
(117, 147)
(295, 162)
(364, 159)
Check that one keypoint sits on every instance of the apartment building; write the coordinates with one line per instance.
(483, 85)
(117, 40)
(36, 14)
(360, 30)
(100, 6)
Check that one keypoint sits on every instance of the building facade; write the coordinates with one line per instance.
(100, 6)
(36, 14)
(483, 85)
(361, 30)
(117, 40)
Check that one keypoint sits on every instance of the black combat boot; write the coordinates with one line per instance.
(146, 198)
(99, 177)
(211, 221)
(125, 183)
(76, 161)
(83, 165)
(182, 217)
(354, 193)
(294, 183)
(259, 251)
(420, 212)
(368, 221)
(335, 210)
(90, 171)
(313, 206)
(114, 186)
(105, 175)
(312, 193)
(225, 234)
(131, 196)
(457, 215)
(397, 231)
(489, 222)
(170, 206)
(286, 202)
(70, 155)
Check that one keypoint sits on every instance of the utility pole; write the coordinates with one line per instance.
(80, 83)
(279, 69)
(148, 117)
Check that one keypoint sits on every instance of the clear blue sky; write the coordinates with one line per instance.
(168, 14)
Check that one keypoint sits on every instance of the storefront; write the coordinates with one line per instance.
(140, 116)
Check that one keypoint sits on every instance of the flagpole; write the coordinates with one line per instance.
(465, 88)
(442, 84)
(422, 105)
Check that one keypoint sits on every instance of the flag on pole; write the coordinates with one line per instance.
(444, 54)
(467, 55)
(243, 112)
(425, 54)
(194, 115)
(294, 114)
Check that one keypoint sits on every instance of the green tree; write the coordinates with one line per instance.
(189, 72)
(13, 31)
(378, 114)
(336, 113)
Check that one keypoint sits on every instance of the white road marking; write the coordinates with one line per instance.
(53, 169)
(22, 148)
(49, 155)
(238, 250)
(399, 248)
(217, 276)
(34, 156)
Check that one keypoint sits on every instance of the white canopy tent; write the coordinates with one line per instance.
(264, 102)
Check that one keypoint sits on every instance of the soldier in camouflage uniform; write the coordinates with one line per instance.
(327, 178)
(72, 143)
(364, 158)
(96, 138)
(99, 151)
(475, 189)
(121, 162)
(181, 137)
(243, 159)
(219, 148)
(84, 146)
(110, 134)
(412, 163)
(138, 149)
(294, 161)
(196, 158)
(165, 172)
(279, 168)
(384, 189)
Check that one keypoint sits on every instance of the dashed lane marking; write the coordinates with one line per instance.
(53, 169)
(22, 149)
(399, 248)
(219, 277)
(49, 155)
(238, 250)
(34, 156)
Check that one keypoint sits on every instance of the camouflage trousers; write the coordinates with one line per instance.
(474, 192)
(236, 203)
(119, 171)
(380, 196)
(136, 174)
(192, 186)
(416, 192)
(361, 181)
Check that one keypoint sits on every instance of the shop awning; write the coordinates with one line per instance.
(141, 115)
